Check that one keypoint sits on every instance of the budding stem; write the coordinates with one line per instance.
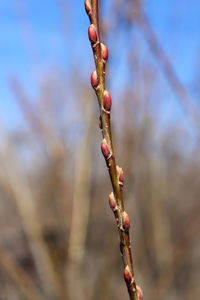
(100, 53)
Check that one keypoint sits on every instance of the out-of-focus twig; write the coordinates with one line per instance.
(181, 249)
(140, 17)
(20, 278)
(26, 107)
(81, 202)
(53, 147)
(17, 186)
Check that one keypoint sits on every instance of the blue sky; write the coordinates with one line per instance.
(58, 37)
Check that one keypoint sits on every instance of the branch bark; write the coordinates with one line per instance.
(100, 52)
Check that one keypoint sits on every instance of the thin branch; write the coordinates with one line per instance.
(17, 186)
(100, 52)
(81, 206)
(21, 279)
(52, 145)
(167, 67)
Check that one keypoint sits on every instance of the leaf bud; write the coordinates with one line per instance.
(104, 52)
(125, 221)
(139, 292)
(128, 277)
(94, 79)
(120, 175)
(105, 149)
(92, 34)
(112, 202)
(107, 101)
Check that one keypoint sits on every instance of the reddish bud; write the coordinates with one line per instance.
(120, 175)
(139, 292)
(104, 52)
(105, 149)
(112, 202)
(128, 275)
(107, 101)
(92, 34)
(94, 79)
(125, 221)
(88, 6)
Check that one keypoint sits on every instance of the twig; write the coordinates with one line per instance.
(21, 279)
(52, 145)
(100, 52)
(167, 68)
(137, 16)
(81, 206)
(19, 190)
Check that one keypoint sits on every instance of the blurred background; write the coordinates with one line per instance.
(58, 238)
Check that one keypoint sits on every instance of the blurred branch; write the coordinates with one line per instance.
(53, 146)
(17, 186)
(133, 12)
(166, 66)
(180, 251)
(81, 201)
(26, 107)
(21, 279)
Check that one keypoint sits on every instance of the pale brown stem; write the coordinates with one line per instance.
(121, 217)
(17, 186)
(20, 278)
(167, 68)
(81, 207)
